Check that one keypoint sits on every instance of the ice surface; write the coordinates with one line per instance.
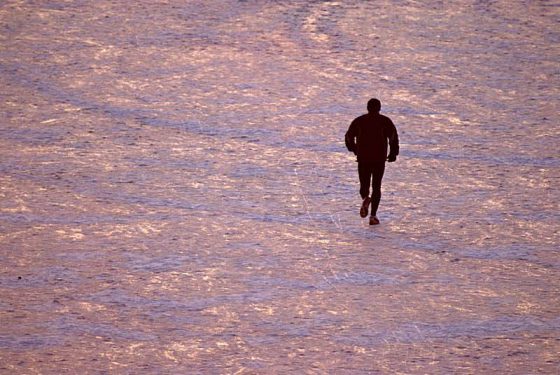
(175, 195)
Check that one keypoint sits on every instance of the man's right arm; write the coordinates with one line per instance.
(393, 137)
(350, 137)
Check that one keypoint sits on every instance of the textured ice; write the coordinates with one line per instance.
(175, 195)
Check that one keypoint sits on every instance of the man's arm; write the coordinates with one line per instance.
(350, 138)
(393, 137)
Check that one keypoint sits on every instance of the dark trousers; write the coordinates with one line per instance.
(371, 173)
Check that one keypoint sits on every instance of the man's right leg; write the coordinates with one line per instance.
(377, 171)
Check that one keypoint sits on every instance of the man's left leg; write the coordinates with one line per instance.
(364, 172)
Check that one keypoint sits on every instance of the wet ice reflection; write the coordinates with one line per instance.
(175, 195)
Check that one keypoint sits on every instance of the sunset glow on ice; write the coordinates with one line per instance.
(176, 196)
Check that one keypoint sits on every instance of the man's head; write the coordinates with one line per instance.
(373, 105)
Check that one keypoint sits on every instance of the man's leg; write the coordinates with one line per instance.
(377, 171)
(364, 172)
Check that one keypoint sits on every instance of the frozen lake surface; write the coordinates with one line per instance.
(176, 197)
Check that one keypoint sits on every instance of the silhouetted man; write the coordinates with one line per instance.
(367, 138)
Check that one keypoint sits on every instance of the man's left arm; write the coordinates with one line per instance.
(350, 138)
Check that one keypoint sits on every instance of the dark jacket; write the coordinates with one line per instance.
(367, 137)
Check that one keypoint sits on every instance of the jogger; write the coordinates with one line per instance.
(368, 137)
